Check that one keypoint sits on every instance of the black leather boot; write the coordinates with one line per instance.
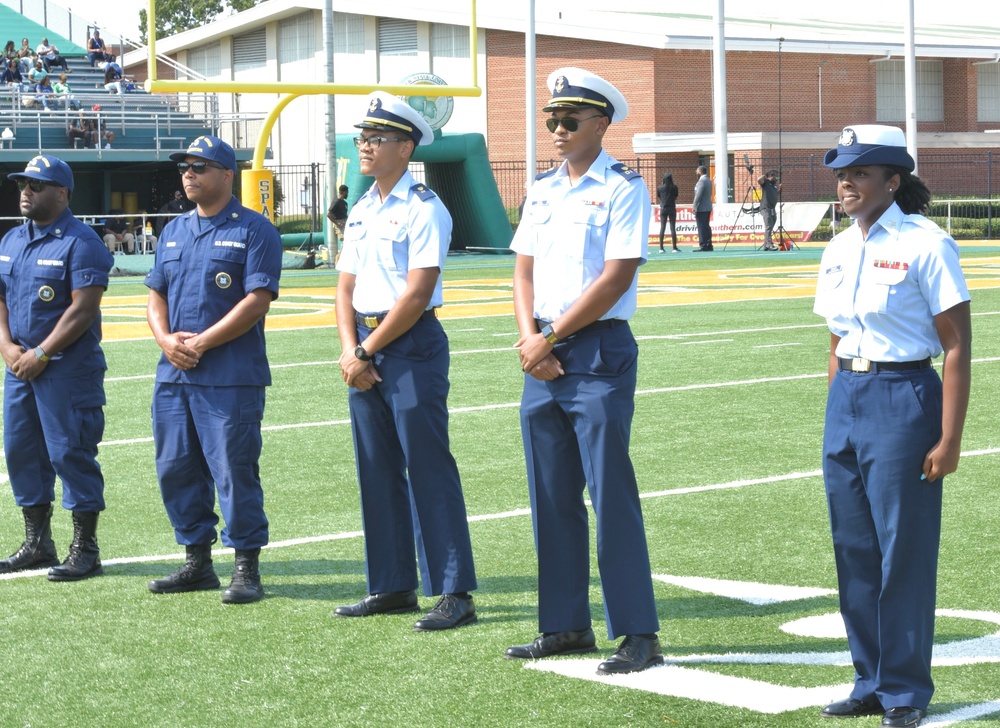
(84, 559)
(196, 574)
(245, 586)
(38, 551)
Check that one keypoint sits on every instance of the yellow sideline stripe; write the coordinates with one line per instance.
(299, 308)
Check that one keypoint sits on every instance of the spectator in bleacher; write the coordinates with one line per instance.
(113, 76)
(36, 73)
(64, 95)
(44, 95)
(116, 234)
(12, 74)
(50, 56)
(96, 50)
(97, 132)
(77, 130)
(26, 55)
(10, 54)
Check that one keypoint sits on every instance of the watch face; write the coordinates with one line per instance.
(360, 353)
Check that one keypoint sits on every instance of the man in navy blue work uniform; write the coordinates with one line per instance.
(395, 361)
(579, 247)
(53, 272)
(216, 273)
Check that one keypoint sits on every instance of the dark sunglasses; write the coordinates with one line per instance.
(569, 123)
(36, 185)
(197, 167)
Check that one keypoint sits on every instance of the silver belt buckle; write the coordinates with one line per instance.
(862, 366)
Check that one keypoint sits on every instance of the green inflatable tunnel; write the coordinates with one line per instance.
(457, 168)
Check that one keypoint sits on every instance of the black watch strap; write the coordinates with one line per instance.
(359, 351)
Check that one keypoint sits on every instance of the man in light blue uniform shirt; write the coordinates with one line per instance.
(53, 273)
(395, 362)
(584, 234)
(216, 273)
(893, 295)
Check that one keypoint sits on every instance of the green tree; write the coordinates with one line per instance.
(176, 16)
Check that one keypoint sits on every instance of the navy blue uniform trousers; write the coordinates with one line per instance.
(410, 488)
(886, 525)
(576, 431)
(208, 438)
(52, 426)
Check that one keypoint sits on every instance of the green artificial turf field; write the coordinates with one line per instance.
(726, 444)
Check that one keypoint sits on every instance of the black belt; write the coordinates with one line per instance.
(864, 366)
(602, 324)
(372, 320)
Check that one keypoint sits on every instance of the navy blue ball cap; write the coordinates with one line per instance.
(209, 148)
(575, 88)
(867, 144)
(47, 169)
(388, 112)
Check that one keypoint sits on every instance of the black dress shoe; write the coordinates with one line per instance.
(451, 611)
(635, 654)
(851, 708)
(903, 717)
(385, 603)
(555, 643)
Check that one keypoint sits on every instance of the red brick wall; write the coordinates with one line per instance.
(671, 90)
(629, 68)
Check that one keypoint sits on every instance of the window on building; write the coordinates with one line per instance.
(206, 60)
(250, 50)
(397, 37)
(449, 41)
(890, 91)
(988, 91)
(348, 33)
(296, 39)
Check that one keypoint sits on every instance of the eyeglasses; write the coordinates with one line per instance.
(569, 123)
(36, 185)
(197, 167)
(375, 141)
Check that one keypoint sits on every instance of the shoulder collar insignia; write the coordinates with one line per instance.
(422, 191)
(625, 171)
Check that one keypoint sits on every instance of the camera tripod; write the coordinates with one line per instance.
(752, 210)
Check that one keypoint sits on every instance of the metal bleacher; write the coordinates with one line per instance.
(154, 125)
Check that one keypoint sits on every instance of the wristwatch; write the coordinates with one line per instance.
(549, 334)
(359, 351)
(41, 355)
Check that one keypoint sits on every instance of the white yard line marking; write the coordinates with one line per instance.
(704, 686)
(707, 341)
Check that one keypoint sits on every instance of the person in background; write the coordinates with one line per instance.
(116, 234)
(12, 75)
(769, 188)
(44, 95)
(51, 284)
(96, 50)
(703, 210)
(394, 360)
(575, 288)
(209, 290)
(26, 55)
(36, 73)
(64, 95)
(337, 214)
(50, 57)
(77, 129)
(113, 75)
(666, 195)
(894, 297)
